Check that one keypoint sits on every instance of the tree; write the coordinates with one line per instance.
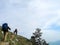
(37, 33)
(33, 40)
(36, 38)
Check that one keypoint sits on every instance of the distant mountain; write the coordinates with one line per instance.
(55, 43)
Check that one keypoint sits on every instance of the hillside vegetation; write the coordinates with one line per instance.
(15, 39)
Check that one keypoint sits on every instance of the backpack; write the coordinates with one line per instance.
(5, 26)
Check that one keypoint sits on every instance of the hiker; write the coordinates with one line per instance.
(15, 32)
(5, 29)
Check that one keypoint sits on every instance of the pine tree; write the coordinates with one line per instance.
(36, 38)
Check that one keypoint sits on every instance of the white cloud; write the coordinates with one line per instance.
(51, 35)
(31, 14)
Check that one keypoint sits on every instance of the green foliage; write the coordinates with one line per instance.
(17, 40)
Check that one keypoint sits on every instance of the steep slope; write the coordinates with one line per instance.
(15, 39)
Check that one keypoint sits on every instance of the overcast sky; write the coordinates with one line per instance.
(27, 15)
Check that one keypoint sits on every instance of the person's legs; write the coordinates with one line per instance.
(5, 37)
(16, 32)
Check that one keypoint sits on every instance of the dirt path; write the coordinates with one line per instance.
(4, 43)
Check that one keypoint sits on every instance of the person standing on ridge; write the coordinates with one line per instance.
(5, 29)
(15, 32)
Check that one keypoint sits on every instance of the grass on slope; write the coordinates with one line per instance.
(15, 39)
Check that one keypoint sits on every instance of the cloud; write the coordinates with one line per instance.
(51, 35)
(28, 15)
